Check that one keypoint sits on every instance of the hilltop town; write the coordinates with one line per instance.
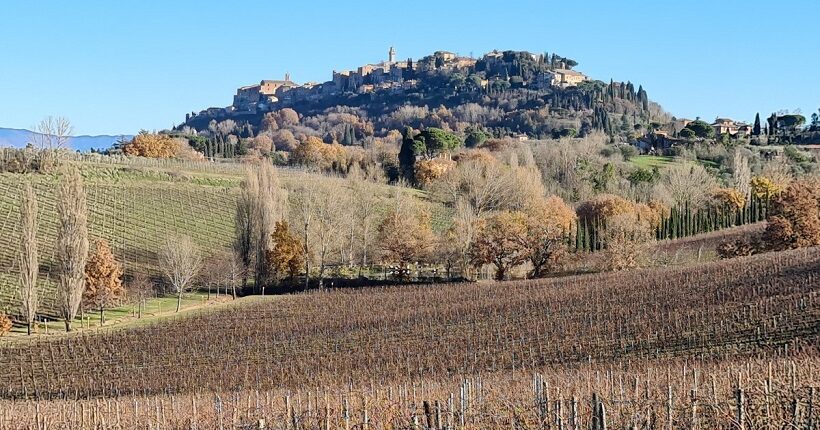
(400, 77)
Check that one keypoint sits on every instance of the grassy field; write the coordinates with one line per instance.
(651, 161)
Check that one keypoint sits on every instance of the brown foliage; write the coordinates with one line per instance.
(286, 254)
(5, 324)
(502, 240)
(794, 220)
(152, 145)
(404, 235)
(314, 153)
(428, 171)
(550, 224)
(103, 279)
(603, 207)
(741, 247)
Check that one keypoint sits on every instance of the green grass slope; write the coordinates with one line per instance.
(136, 205)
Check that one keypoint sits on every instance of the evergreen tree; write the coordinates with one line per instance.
(407, 156)
(756, 128)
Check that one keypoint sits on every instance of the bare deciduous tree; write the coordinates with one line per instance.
(236, 270)
(328, 225)
(464, 223)
(180, 261)
(29, 263)
(364, 218)
(139, 290)
(72, 243)
(686, 184)
(305, 198)
(50, 136)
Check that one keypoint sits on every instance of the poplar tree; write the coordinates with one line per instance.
(72, 244)
(29, 262)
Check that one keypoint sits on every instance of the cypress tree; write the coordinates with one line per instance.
(407, 155)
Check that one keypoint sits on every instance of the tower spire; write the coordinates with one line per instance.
(391, 55)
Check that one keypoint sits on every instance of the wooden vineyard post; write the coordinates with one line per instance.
(694, 398)
(450, 412)
(767, 391)
(669, 407)
(288, 412)
(573, 414)
(365, 417)
(327, 413)
(810, 410)
(346, 413)
(462, 392)
(438, 415)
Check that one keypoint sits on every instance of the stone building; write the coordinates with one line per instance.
(564, 78)
(730, 127)
(248, 97)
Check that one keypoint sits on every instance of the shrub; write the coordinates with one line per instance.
(794, 220)
(602, 207)
(628, 151)
(152, 145)
(741, 247)
(796, 155)
(5, 324)
(428, 171)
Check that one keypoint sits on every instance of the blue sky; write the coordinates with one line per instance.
(120, 66)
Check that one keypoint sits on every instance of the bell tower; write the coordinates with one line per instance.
(391, 55)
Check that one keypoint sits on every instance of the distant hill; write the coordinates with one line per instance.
(18, 138)
(502, 93)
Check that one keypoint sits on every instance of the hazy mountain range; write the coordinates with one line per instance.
(18, 138)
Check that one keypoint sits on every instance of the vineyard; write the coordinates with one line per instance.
(731, 344)
(136, 204)
(135, 217)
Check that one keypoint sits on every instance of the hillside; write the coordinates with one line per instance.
(640, 325)
(505, 93)
(17, 138)
(136, 204)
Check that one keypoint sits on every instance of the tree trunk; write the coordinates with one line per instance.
(139, 308)
(307, 273)
(179, 300)
(102, 316)
(322, 274)
(28, 328)
(67, 325)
